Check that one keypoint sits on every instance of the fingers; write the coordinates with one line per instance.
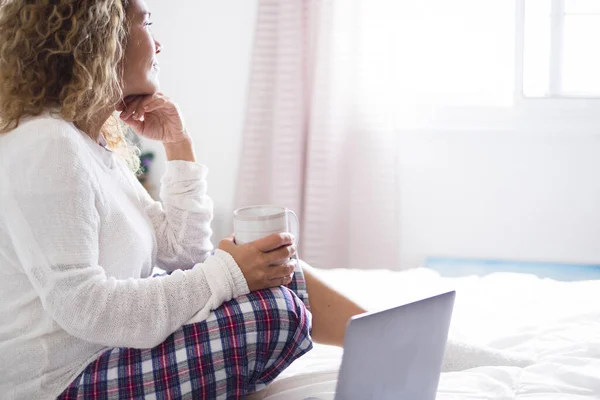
(140, 108)
(274, 241)
(131, 106)
(281, 255)
(121, 106)
(156, 103)
(280, 271)
(136, 106)
(283, 281)
(266, 262)
(227, 244)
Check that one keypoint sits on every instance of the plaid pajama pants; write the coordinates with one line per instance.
(239, 349)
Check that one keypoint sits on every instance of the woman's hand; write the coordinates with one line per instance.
(265, 262)
(154, 116)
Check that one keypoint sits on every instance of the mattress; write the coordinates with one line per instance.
(555, 323)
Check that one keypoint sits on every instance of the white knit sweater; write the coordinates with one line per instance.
(79, 237)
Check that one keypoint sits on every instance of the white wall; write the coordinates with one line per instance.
(505, 195)
(204, 67)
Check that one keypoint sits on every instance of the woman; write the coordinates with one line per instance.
(80, 314)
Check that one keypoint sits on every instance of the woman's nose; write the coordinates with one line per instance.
(158, 46)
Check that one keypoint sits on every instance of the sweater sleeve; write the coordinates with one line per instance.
(182, 221)
(51, 217)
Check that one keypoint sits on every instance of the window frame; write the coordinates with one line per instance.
(557, 23)
(550, 115)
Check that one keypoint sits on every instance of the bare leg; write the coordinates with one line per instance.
(331, 310)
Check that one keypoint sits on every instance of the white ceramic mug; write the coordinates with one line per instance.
(256, 222)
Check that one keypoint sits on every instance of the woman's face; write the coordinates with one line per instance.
(140, 70)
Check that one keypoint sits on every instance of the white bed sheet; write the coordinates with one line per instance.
(556, 323)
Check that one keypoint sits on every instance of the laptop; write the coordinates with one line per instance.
(396, 354)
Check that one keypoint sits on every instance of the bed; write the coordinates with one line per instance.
(555, 324)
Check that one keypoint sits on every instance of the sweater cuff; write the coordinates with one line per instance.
(178, 170)
(237, 280)
(224, 278)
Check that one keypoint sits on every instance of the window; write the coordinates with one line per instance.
(561, 52)
(476, 63)
(456, 53)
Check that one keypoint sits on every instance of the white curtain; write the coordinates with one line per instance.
(333, 82)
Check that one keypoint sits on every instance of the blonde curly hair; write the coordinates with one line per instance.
(65, 56)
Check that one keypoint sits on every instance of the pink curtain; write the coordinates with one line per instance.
(319, 135)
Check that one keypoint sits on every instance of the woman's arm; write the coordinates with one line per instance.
(182, 221)
(51, 216)
(180, 151)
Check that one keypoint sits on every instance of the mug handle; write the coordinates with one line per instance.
(295, 225)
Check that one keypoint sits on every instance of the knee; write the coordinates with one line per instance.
(288, 302)
(281, 333)
(289, 310)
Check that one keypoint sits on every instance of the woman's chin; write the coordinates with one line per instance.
(153, 85)
(151, 88)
